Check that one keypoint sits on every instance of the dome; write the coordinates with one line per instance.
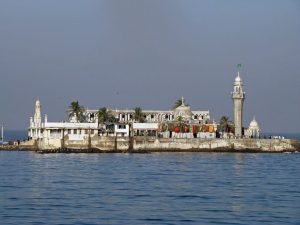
(253, 131)
(183, 110)
(238, 79)
(37, 102)
(254, 124)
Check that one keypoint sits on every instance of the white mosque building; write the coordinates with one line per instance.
(78, 130)
(157, 116)
(254, 130)
(153, 118)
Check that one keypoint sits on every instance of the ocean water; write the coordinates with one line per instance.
(157, 188)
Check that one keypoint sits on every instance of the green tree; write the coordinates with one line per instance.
(139, 115)
(225, 124)
(105, 115)
(76, 111)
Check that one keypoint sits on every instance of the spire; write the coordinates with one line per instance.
(238, 78)
(37, 114)
(182, 101)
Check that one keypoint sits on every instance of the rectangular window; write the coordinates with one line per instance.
(92, 131)
(75, 131)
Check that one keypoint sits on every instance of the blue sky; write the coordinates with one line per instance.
(148, 53)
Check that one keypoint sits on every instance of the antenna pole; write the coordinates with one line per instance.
(2, 133)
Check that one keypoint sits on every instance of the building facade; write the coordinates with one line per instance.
(157, 116)
(39, 129)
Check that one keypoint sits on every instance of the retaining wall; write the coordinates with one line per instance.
(169, 144)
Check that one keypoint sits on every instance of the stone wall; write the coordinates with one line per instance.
(265, 145)
(169, 144)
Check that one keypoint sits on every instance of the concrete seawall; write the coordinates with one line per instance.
(152, 144)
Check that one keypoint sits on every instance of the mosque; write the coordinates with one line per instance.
(153, 120)
(157, 116)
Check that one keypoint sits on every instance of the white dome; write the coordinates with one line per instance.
(253, 124)
(183, 110)
(238, 78)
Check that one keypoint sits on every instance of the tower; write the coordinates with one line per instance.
(238, 97)
(37, 114)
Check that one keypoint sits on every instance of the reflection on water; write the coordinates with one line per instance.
(158, 188)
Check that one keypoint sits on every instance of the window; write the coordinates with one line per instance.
(121, 126)
(86, 131)
(75, 131)
(92, 131)
(69, 131)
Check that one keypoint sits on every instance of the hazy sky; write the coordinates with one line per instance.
(148, 53)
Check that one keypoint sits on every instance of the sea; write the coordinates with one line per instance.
(156, 188)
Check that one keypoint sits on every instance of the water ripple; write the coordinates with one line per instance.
(159, 188)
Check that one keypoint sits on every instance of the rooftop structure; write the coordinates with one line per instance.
(156, 116)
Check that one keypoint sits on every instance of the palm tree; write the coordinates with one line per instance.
(76, 111)
(105, 115)
(225, 124)
(139, 115)
(179, 102)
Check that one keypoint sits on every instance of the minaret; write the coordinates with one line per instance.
(37, 114)
(238, 97)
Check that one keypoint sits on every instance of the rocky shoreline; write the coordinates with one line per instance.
(99, 151)
(145, 151)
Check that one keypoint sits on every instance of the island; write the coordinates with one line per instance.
(137, 131)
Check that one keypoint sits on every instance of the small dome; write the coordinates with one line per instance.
(183, 110)
(238, 78)
(253, 124)
(37, 102)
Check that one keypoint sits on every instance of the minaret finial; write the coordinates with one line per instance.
(239, 66)
(182, 100)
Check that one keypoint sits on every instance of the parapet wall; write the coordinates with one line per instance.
(107, 144)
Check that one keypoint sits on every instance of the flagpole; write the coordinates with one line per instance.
(2, 133)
